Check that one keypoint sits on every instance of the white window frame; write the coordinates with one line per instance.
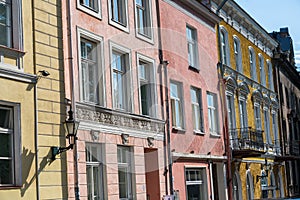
(213, 117)
(197, 111)
(262, 69)
(237, 54)
(99, 78)
(95, 164)
(147, 7)
(119, 25)
(224, 46)
(15, 131)
(151, 81)
(230, 109)
(275, 131)
(188, 181)
(126, 77)
(127, 166)
(252, 62)
(192, 45)
(267, 125)
(257, 116)
(177, 99)
(270, 75)
(96, 12)
(243, 112)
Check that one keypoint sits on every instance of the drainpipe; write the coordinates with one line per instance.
(224, 113)
(37, 178)
(167, 138)
(72, 82)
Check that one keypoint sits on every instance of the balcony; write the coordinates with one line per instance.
(294, 147)
(246, 142)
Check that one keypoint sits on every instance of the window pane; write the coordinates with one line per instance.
(5, 23)
(6, 172)
(6, 145)
(5, 118)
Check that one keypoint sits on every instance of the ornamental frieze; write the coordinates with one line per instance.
(119, 119)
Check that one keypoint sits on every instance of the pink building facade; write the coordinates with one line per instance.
(112, 79)
(197, 150)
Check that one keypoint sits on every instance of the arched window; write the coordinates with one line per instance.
(237, 54)
(262, 70)
(237, 190)
(224, 46)
(252, 61)
(270, 75)
(249, 186)
(273, 184)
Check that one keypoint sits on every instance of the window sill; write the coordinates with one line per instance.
(118, 25)
(215, 135)
(178, 130)
(145, 38)
(90, 11)
(198, 132)
(9, 187)
(194, 69)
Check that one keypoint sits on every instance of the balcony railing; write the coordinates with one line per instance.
(247, 139)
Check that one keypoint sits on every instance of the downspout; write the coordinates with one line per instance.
(37, 178)
(167, 138)
(224, 113)
(72, 82)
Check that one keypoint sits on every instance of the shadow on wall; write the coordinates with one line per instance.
(27, 163)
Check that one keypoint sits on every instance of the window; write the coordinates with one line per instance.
(230, 110)
(252, 61)
(143, 18)
(10, 157)
(125, 172)
(224, 46)
(91, 83)
(197, 110)
(196, 184)
(262, 70)
(249, 185)
(176, 105)
(212, 113)
(264, 184)
(243, 114)
(94, 171)
(118, 14)
(10, 24)
(257, 116)
(91, 7)
(191, 35)
(270, 75)
(121, 79)
(267, 125)
(275, 131)
(237, 54)
(147, 86)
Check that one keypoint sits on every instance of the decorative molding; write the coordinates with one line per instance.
(104, 119)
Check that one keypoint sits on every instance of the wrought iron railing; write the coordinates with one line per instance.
(294, 147)
(247, 139)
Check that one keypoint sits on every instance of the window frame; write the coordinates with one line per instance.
(118, 24)
(194, 43)
(214, 109)
(127, 86)
(267, 130)
(225, 55)
(237, 54)
(262, 73)
(98, 40)
(129, 165)
(270, 75)
(257, 116)
(179, 125)
(198, 104)
(96, 164)
(252, 62)
(148, 9)
(16, 143)
(89, 10)
(152, 82)
(203, 182)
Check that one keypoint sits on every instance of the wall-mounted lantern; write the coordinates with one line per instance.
(71, 127)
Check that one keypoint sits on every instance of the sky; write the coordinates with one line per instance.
(275, 14)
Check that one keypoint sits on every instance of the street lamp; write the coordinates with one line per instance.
(71, 127)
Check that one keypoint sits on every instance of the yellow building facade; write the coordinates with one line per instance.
(32, 105)
(251, 105)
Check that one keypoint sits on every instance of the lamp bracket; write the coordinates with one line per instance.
(58, 150)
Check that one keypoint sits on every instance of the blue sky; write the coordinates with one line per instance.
(275, 14)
